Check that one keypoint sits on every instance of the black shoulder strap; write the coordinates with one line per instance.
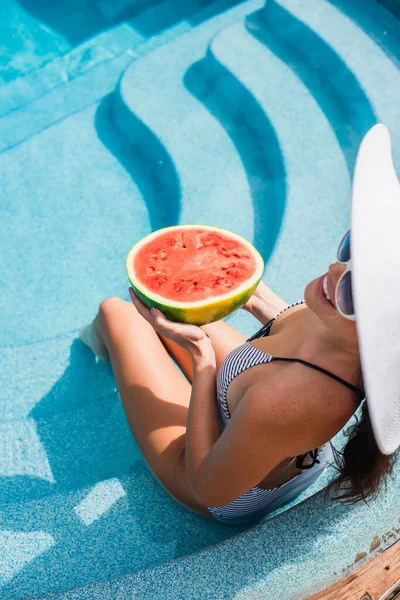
(359, 393)
(262, 332)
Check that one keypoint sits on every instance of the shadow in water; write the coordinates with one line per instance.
(333, 85)
(111, 516)
(106, 537)
(383, 32)
(255, 140)
(391, 5)
(78, 433)
(170, 12)
(212, 10)
(144, 527)
(148, 163)
(79, 20)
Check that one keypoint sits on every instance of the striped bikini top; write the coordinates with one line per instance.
(246, 356)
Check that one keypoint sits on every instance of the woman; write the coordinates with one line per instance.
(249, 429)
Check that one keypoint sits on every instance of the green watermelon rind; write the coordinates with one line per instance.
(200, 312)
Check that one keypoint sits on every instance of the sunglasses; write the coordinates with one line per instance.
(343, 292)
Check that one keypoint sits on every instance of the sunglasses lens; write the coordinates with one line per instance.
(344, 249)
(345, 295)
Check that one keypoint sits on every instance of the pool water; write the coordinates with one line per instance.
(118, 118)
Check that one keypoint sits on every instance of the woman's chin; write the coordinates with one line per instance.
(308, 294)
(311, 297)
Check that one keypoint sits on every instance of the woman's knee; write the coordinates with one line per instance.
(112, 312)
(109, 306)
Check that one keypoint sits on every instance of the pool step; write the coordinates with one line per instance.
(163, 117)
(73, 174)
(61, 102)
(104, 47)
(35, 33)
(149, 28)
(315, 192)
(101, 194)
(343, 43)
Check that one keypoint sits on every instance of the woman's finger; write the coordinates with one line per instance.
(141, 308)
(158, 316)
(153, 316)
(182, 333)
(162, 324)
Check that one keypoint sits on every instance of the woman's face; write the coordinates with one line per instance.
(325, 309)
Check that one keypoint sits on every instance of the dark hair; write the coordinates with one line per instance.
(363, 469)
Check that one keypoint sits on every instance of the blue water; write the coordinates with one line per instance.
(116, 119)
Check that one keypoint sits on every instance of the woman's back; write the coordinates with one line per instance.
(291, 335)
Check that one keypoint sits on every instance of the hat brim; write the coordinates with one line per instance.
(375, 249)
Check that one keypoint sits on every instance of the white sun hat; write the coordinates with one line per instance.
(375, 254)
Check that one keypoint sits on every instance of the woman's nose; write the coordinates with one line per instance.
(335, 271)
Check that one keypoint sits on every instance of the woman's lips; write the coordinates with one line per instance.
(322, 293)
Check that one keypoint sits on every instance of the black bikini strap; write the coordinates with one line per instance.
(359, 393)
(300, 459)
(262, 332)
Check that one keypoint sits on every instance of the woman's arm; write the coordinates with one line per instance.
(255, 440)
(202, 427)
(264, 304)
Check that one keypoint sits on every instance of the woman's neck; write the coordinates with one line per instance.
(312, 340)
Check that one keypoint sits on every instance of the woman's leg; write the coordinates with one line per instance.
(154, 394)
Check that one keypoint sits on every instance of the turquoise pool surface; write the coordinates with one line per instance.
(118, 118)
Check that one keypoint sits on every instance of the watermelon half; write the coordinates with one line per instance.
(194, 273)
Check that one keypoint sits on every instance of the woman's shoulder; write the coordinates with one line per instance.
(285, 316)
(303, 405)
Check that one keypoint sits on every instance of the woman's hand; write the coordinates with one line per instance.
(190, 337)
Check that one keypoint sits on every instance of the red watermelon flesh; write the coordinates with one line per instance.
(193, 265)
